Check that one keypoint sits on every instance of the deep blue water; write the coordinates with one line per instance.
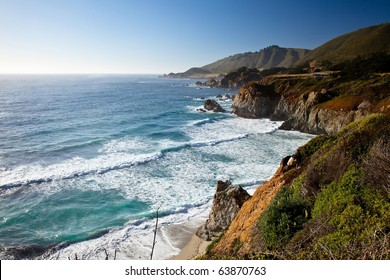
(85, 161)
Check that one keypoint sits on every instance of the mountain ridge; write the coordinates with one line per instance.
(361, 42)
(269, 57)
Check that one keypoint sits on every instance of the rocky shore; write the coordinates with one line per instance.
(312, 105)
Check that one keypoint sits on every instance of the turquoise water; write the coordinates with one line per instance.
(85, 161)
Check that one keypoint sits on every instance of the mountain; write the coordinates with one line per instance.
(362, 42)
(273, 56)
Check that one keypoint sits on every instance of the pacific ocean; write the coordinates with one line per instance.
(86, 160)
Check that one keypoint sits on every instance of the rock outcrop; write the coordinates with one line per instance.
(244, 225)
(211, 83)
(255, 101)
(212, 105)
(239, 78)
(310, 104)
(304, 114)
(228, 200)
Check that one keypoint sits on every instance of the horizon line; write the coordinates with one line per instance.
(81, 73)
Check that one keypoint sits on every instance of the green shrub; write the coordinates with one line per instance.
(284, 216)
(314, 145)
(359, 215)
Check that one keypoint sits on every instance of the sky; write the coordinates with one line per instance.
(162, 36)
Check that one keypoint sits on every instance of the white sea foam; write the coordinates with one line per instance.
(72, 168)
(231, 127)
(134, 240)
(196, 109)
(198, 122)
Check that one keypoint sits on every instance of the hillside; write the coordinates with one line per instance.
(270, 57)
(330, 199)
(362, 42)
(332, 202)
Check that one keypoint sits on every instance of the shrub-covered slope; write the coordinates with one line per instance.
(330, 202)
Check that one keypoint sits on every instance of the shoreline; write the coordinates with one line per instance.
(195, 247)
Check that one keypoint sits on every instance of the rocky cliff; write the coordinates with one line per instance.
(255, 101)
(328, 201)
(318, 105)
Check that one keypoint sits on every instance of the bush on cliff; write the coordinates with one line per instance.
(346, 214)
(285, 216)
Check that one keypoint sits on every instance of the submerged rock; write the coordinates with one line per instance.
(228, 200)
(212, 105)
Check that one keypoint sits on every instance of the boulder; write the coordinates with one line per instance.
(212, 105)
(211, 83)
(198, 83)
(228, 200)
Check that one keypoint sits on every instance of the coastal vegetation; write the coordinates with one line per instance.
(333, 204)
(330, 200)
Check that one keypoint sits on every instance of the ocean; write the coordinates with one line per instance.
(86, 160)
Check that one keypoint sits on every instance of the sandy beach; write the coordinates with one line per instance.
(195, 247)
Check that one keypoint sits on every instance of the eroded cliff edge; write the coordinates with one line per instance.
(331, 201)
(314, 104)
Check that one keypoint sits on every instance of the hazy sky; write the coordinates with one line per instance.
(146, 36)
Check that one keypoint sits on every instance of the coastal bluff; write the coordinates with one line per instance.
(330, 200)
(313, 105)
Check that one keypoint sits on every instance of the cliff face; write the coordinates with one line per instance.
(330, 202)
(242, 230)
(255, 101)
(314, 105)
(304, 114)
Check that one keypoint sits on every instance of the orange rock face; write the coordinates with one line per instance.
(243, 227)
